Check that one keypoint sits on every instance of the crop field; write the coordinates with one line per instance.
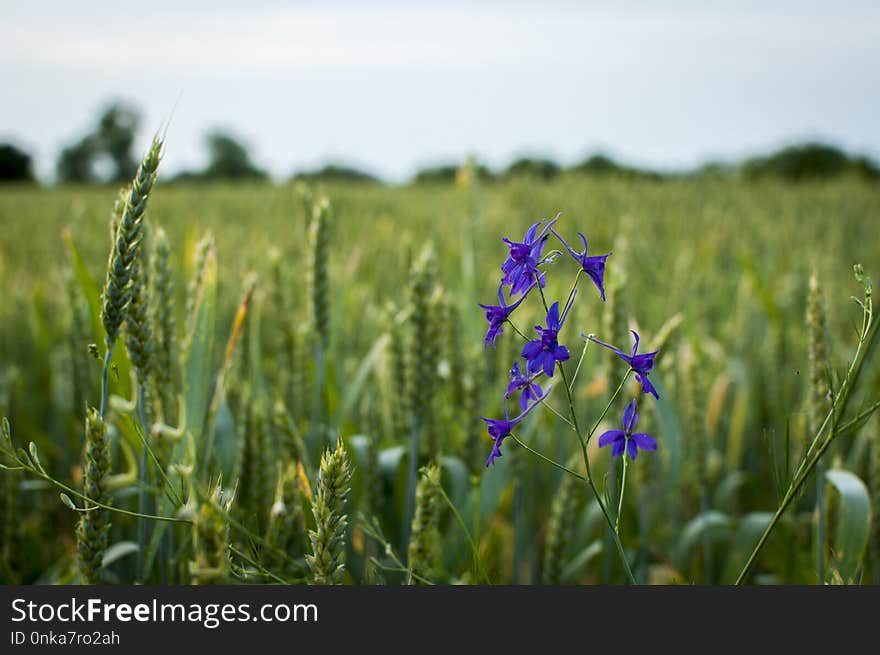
(296, 375)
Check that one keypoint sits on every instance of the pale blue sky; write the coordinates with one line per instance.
(392, 86)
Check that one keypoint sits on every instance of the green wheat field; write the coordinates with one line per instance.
(298, 373)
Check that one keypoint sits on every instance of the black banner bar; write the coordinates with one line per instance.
(393, 619)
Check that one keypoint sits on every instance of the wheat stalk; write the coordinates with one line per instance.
(327, 560)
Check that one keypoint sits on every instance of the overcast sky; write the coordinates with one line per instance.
(395, 85)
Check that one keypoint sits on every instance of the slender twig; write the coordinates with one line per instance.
(620, 497)
(547, 459)
(577, 369)
(577, 279)
(556, 412)
(517, 330)
(478, 564)
(142, 480)
(608, 406)
(260, 568)
(118, 510)
(834, 417)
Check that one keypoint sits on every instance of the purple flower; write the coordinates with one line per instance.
(521, 264)
(518, 380)
(593, 266)
(497, 315)
(543, 353)
(625, 439)
(500, 428)
(641, 364)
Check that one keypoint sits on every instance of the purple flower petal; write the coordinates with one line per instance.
(647, 387)
(644, 441)
(496, 452)
(561, 354)
(553, 317)
(644, 362)
(630, 416)
(610, 437)
(636, 344)
(531, 349)
(617, 447)
(594, 267)
(631, 449)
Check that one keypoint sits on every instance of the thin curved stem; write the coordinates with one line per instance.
(142, 479)
(577, 369)
(118, 510)
(835, 416)
(547, 459)
(620, 497)
(517, 330)
(577, 279)
(478, 564)
(608, 406)
(556, 412)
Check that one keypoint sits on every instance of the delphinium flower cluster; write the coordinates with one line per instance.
(532, 380)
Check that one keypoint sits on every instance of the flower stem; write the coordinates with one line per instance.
(590, 481)
(547, 459)
(608, 406)
(620, 498)
(577, 369)
(583, 442)
(517, 330)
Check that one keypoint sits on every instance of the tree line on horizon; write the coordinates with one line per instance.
(105, 155)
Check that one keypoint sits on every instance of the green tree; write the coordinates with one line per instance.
(111, 141)
(543, 169)
(115, 136)
(76, 162)
(15, 164)
(229, 158)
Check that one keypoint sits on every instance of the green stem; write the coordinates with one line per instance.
(544, 402)
(584, 442)
(577, 279)
(517, 330)
(478, 564)
(820, 524)
(577, 370)
(834, 416)
(608, 406)
(110, 508)
(411, 482)
(620, 498)
(142, 480)
(547, 459)
(104, 372)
